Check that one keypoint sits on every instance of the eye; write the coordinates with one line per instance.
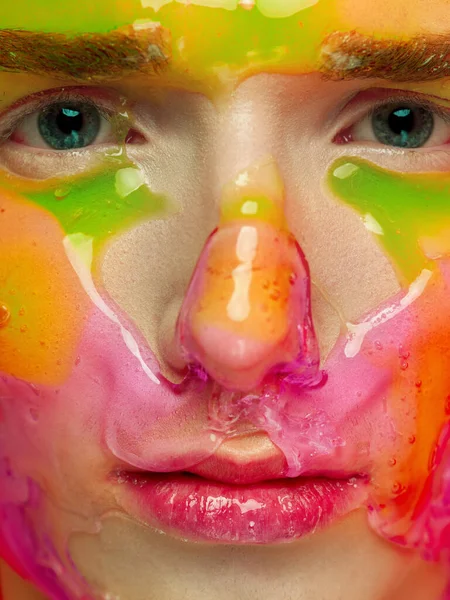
(401, 124)
(64, 125)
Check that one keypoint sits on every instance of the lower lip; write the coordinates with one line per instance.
(197, 509)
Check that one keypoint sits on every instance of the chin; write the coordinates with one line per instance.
(344, 561)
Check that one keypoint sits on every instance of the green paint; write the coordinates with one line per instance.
(407, 206)
(203, 38)
(95, 204)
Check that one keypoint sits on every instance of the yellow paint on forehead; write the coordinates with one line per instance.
(383, 16)
(244, 36)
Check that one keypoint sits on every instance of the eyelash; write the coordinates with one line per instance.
(421, 101)
(412, 98)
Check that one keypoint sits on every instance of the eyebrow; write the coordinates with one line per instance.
(129, 50)
(356, 56)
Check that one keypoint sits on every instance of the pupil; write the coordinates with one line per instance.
(69, 120)
(402, 120)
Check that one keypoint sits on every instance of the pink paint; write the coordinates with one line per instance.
(110, 415)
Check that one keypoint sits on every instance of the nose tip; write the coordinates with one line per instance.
(247, 309)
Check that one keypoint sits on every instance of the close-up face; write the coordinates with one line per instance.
(224, 300)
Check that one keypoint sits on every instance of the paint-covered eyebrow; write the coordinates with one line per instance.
(355, 56)
(86, 57)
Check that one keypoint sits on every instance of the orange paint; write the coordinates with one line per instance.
(5, 315)
(417, 403)
(42, 292)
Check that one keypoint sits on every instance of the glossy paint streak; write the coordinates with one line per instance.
(100, 204)
(410, 209)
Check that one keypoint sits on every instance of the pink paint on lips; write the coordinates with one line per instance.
(268, 512)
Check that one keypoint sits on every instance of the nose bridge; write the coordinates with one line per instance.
(245, 131)
(247, 310)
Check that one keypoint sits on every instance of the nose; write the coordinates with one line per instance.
(247, 310)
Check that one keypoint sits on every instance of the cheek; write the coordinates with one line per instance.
(410, 338)
(417, 403)
(40, 292)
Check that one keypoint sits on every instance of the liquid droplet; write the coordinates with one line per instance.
(402, 353)
(5, 315)
(392, 462)
(418, 383)
(378, 345)
(412, 439)
(62, 192)
(397, 488)
(404, 365)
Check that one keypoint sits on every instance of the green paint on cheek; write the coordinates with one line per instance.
(101, 204)
(409, 208)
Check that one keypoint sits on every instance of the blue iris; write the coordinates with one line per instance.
(403, 126)
(65, 126)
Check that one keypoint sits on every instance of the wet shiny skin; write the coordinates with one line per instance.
(99, 339)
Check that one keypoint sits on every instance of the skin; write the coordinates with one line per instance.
(206, 127)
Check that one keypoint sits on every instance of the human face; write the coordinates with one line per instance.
(224, 298)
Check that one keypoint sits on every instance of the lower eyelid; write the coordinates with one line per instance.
(41, 163)
(421, 160)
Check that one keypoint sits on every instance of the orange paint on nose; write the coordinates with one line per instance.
(5, 315)
(247, 308)
(40, 292)
(246, 289)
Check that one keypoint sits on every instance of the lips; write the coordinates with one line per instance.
(240, 495)
(192, 508)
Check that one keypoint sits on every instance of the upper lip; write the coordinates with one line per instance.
(243, 461)
(249, 460)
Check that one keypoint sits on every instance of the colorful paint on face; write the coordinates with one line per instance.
(408, 212)
(42, 320)
(95, 373)
(204, 31)
(99, 205)
(46, 316)
(247, 311)
(282, 37)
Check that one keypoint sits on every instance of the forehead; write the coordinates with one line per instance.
(246, 34)
(389, 16)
